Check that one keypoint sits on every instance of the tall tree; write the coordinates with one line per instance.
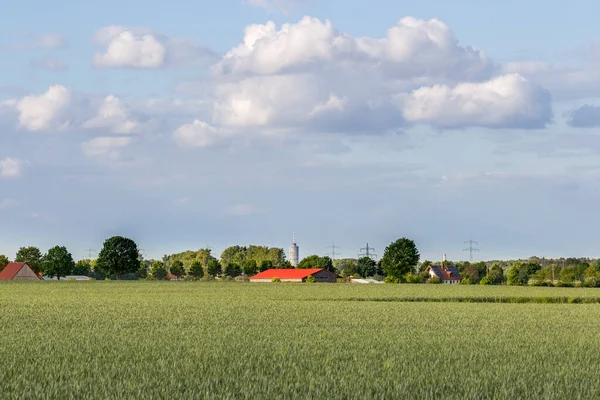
(232, 270)
(4, 261)
(250, 267)
(158, 270)
(177, 269)
(196, 270)
(400, 258)
(233, 254)
(58, 262)
(214, 268)
(31, 255)
(366, 267)
(118, 256)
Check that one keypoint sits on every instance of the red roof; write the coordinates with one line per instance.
(12, 269)
(286, 273)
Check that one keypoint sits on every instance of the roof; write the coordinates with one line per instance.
(295, 273)
(365, 281)
(12, 269)
(447, 273)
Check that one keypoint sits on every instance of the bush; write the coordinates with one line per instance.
(391, 279)
(434, 280)
(356, 276)
(412, 278)
(311, 279)
(564, 284)
(276, 280)
(465, 281)
(590, 281)
(485, 281)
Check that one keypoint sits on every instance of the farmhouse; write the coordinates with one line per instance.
(295, 275)
(18, 272)
(448, 274)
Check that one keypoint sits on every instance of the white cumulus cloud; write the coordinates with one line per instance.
(135, 47)
(114, 116)
(504, 102)
(46, 111)
(197, 134)
(412, 49)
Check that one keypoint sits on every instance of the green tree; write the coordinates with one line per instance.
(233, 254)
(4, 261)
(31, 255)
(57, 262)
(214, 268)
(311, 279)
(250, 267)
(309, 262)
(350, 268)
(177, 269)
(326, 263)
(366, 267)
(266, 265)
(118, 256)
(518, 274)
(158, 270)
(196, 270)
(400, 258)
(471, 273)
(232, 270)
(83, 267)
(496, 275)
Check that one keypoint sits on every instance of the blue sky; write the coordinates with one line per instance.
(351, 121)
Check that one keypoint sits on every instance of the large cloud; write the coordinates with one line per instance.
(309, 77)
(142, 48)
(508, 101)
(412, 49)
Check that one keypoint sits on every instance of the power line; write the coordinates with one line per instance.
(333, 252)
(367, 252)
(471, 249)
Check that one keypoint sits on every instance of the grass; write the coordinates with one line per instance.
(159, 340)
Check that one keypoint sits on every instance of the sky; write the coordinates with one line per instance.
(185, 124)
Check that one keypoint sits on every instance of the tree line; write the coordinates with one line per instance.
(120, 259)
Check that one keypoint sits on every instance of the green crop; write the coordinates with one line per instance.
(187, 340)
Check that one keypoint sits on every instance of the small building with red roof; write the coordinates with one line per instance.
(18, 272)
(296, 275)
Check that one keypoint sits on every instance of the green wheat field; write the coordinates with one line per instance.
(197, 340)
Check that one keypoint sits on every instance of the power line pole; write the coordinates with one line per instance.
(90, 251)
(367, 252)
(471, 249)
(333, 252)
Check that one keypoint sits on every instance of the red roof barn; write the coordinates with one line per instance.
(18, 272)
(295, 275)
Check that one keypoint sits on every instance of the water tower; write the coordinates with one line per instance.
(294, 251)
